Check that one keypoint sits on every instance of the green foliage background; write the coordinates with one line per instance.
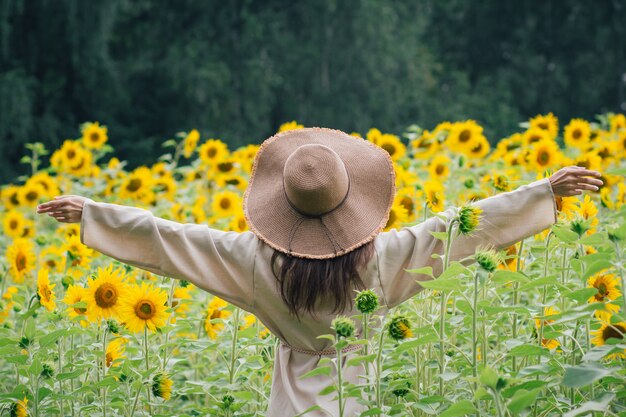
(238, 69)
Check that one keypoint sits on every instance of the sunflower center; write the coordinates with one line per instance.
(13, 224)
(242, 224)
(134, 185)
(465, 135)
(225, 166)
(216, 314)
(211, 152)
(439, 170)
(583, 163)
(94, 137)
(145, 310)
(543, 157)
(47, 293)
(614, 331)
(20, 262)
(14, 200)
(407, 202)
(106, 295)
(389, 148)
(32, 195)
(51, 263)
(233, 181)
(576, 134)
(225, 204)
(71, 154)
(477, 148)
(601, 295)
(534, 138)
(543, 126)
(80, 310)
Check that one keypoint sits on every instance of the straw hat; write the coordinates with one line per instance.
(319, 193)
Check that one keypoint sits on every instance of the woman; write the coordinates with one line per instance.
(316, 204)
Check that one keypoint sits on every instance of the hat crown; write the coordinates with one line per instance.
(315, 179)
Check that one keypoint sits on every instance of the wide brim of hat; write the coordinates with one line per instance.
(361, 216)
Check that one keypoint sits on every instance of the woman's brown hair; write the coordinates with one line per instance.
(304, 281)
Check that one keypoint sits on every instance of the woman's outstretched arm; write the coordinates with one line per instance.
(216, 261)
(506, 219)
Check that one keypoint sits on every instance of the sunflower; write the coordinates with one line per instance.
(165, 186)
(547, 122)
(393, 145)
(238, 222)
(49, 184)
(162, 386)
(138, 185)
(407, 196)
(234, 180)
(225, 203)
(547, 311)
(213, 151)
(104, 292)
(610, 331)
(435, 197)
(142, 307)
(245, 156)
(215, 310)
(568, 206)
(617, 122)
(30, 194)
(19, 408)
(534, 135)
(160, 169)
(21, 258)
(577, 134)
(67, 155)
(44, 290)
(510, 259)
(425, 146)
(94, 135)
(544, 154)
(478, 148)
(398, 215)
(606, 284)
(439, 167)
(293, 125)
(74, 295)
(78, 254)
(588, 211)
(590, 160)
(115, 352)
(227, 166)
(10, 196)
(404, 177)
(462, 135)
(506, 146)
(14, 224)
(190, 143)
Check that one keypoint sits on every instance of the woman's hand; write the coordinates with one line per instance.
(573, 180)
(65, 208)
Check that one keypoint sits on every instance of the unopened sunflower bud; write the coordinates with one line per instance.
(366, 301)
(469, 218)
(400, 327)
(401, 385)
(113, 326)
(227, 401)
(617, 234)
(343, 326)
(487, 258)
(47, 371)
(66, 281)
(580, 226)
(469, 183)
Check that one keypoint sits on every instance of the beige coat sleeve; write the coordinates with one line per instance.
(216, 261)
(507, 218)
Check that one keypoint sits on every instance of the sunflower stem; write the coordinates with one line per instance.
(132, 410)
(233, 355)
(146, 354)
(170, 302)
(339, 382)
(515, 301)
(379, 364)
(474, 339)
(104, 370)
(442, 309)
(365, 353)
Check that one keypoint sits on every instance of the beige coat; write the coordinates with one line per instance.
(236, 267)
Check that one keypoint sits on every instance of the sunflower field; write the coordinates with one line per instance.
(537, 329)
